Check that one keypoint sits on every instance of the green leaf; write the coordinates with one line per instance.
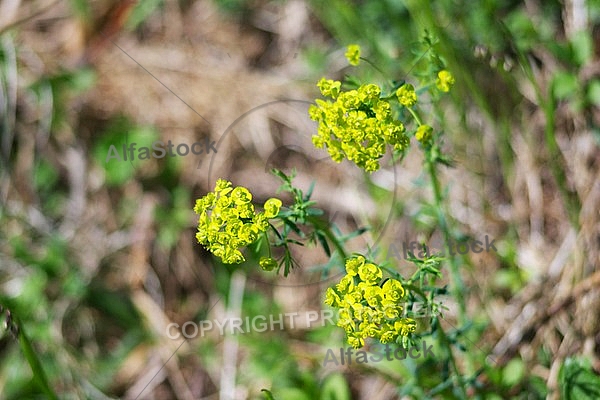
(537, 386)
(287, 260)
(323, 240)
(582, 47)
(292, 226)
(141, 12)
(335, 387)
(351, 82)
(593, 92)
(45, 176)
(268, 395)
(39, 375)
(314, 212)
(564, 85)
(81, 8)
(280, 174)
(353, 234)
(310, 191)
(293, 394)
(513, 372)
(578, 381)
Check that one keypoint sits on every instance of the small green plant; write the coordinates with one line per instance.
(359, 122)
(578, 381)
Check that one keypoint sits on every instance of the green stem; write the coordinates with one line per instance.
(445, 341)
(437, 195)
(376, 68)
(458, 287)
(415, 116)
(317, 223)
(393, 273)
(39, 376)
(267, 240)
(572, 203)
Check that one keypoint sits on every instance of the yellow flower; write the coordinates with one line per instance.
(245, 210)
(369, 273)
(406, 95)
(391, 312)
(405, 326)
(357, 125)
(349, 300)
(352, 265)
(241, 195)
(444, 80)
(369, 329)
(227, 221)
(345, 315)
(346, 284)
(423, 133)
(267, 263)
(356, 341)
(353, 54)
(368, 308)
(393, 290)
(329, 87)
(272, 207)
(332, 298)
(372, 295)
(387, 337)
(260, 220)
(222, 186)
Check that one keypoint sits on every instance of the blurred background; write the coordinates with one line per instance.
(98, 257)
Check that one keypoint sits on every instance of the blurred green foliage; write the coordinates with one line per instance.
(578, 380)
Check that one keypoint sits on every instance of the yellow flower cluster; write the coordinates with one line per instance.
(228, 222)
(353, 54)
(367, 309)
(423, 133)
(444, 80)
(357, 125)
(406, 95)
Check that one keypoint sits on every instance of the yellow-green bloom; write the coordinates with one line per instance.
(406, 95)
(352, 265)
(346, 284)
(444, 80)
(391, 311)
(369, 273)
(329, 87)
(405, 326)
(261, 221)
(393, 289)
(345, 317)
(356, 341)
(222, 186)
(227, 221)
(369, 329)
(241, 195)
(357, 126)
(272, 207)
(423, 133)
(353, 54)
(332, 298)
(387, 337)
(368, 308)
(267, 263)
